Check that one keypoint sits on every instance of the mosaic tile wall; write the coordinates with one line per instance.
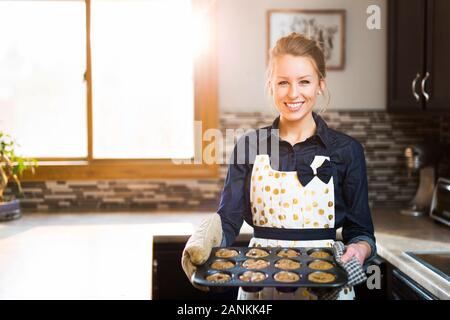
(383, 135)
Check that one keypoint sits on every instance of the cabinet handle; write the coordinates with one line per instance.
(425, 94)
(414, 88)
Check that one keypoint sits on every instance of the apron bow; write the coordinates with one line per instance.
(305, 173)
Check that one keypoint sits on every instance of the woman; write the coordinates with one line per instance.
(299, 193)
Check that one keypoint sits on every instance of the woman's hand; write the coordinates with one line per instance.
(361, 250)
(199, 246)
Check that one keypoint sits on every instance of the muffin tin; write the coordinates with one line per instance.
(303, 256)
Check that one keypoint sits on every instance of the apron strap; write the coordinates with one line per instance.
(294, 234)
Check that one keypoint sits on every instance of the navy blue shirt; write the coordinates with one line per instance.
(352, 211)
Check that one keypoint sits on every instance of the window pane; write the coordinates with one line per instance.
(142, 68)
(42, 62)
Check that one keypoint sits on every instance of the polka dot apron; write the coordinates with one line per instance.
(305, 212)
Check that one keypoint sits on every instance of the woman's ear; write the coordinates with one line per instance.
(322, 84)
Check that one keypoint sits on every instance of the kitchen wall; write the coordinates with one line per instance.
(242, 55)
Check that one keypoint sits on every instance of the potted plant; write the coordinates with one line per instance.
(11, 168)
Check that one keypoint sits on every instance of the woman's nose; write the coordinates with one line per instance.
(293, 92)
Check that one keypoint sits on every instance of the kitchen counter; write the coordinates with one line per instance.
(397, 234)
(84, 255)
(87, 255)
(391, 222)
(108, 255)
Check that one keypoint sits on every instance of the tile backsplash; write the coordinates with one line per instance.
(383, 135)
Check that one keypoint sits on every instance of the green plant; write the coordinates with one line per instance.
(11, 165)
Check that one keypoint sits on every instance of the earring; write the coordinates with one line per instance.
(319, 93)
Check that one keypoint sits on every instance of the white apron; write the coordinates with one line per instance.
(279, 200)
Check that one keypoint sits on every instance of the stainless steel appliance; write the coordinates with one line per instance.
(425, 158)
(440, 204)
(438, 262)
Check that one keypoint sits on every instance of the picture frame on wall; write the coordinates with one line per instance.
(325, 26)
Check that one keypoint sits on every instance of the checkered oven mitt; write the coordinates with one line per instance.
(355, 273)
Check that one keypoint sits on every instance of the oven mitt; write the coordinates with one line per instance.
(199, 246)
(355, 273)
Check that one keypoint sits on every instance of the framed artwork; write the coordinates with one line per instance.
(325, 26)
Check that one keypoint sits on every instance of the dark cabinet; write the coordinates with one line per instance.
(402, 287)
(418, 51)
(395, 285)
(168, 279)
(364, 292)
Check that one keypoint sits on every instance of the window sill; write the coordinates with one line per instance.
(120, 169)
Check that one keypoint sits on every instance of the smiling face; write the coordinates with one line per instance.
(295, 85)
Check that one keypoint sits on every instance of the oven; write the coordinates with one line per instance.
(440, 204)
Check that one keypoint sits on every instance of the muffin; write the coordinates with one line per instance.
(288, 253)
(286, 276)
(226, 253)
(287, 264)
(321, 277)
(252, 276)
(255, 264)
(257, 253)
(320, 254)
(218, 277)
(222, 264)
(320, 265)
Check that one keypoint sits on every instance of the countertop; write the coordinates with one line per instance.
(84, 255)
(108, 255)
(397, 234)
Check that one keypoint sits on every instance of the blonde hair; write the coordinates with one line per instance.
(299, 45)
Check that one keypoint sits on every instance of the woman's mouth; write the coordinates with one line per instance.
(294, 106)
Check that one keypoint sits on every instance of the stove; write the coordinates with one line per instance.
(437, 261)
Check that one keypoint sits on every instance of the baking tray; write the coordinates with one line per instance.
(303, 271)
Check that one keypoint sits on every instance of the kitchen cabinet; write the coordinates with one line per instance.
(364, 293)
(168, 279)
(395, 285)
(402, 287)
(418, 51)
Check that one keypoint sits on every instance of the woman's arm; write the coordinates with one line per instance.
(234, 200)
(357, 230)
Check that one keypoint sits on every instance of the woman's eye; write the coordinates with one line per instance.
(304, 82)
(282, 83)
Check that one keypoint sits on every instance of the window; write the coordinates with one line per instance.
(108, 89)
(146, 60)
(42, 91)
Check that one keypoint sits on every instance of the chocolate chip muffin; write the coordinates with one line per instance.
(320, 254)
(252, 276)
(218, 277)
(320, 265)
(255, 264)
(288, 253)
(321, 277)
(256, 253)
(287, 264)
(286, 276)
(222, 264)
(226, 253)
